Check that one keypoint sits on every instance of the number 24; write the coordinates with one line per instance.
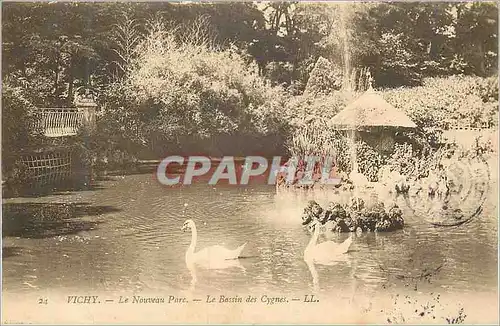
(43, 301)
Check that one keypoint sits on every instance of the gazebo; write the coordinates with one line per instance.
(374, 120)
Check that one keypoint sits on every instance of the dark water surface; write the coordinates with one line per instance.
(129, 239)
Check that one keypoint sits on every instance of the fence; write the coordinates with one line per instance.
(59, 122)
(48, 167)
(477, 127)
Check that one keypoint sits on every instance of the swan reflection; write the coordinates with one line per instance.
(311, 264)
(209, 258)
(327, 253)
(195, 268)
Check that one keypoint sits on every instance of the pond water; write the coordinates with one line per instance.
(127, 239)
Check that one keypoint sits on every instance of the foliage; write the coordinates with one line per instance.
(50, 51)
(57, 46)
(369, 161)
(404, 42)
(480, 148)
(324, 78)
(401, 64)
(201, 76)
(20, 132)
(318, 140)
(19, 117)
(312, 140)
(16, 176)
(443, 102)
(306, 108)
(417, 164)
(405, 160)
(177, 91)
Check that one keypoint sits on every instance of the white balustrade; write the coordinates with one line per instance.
(59, 122)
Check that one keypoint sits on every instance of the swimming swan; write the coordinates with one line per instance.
(214, 255)
(325, 252)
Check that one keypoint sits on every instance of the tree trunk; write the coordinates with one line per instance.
(56, 79)
(481, 66)
(70, 86)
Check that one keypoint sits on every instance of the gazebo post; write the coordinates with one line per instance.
(354, 156)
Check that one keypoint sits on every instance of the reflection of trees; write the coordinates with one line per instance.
(11, 251)
(401, 255)
(42, 220)
(61, 245)
(414, 259)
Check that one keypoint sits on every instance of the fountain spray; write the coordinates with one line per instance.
(347, 82)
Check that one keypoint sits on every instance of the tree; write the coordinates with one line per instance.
(477, 36)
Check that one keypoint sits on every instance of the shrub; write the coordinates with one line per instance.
(308, 108)
(19, 117)
(324, 78)
(369, 161)
(443, 102)
(19, 132)
(406, 161)
(178, 92)
(313, 139)
(417, 164)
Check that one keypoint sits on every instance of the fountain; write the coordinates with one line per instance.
(349, 217)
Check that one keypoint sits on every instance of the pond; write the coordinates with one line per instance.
(126, 238)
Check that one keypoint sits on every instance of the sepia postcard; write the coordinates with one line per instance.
(197, 162)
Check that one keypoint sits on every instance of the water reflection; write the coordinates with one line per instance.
(311, 264)
(138, 245)
(233, 266)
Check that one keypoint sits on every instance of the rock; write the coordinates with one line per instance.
(312, 212)
(357, 204)
(340, 226)
(383, 225)
(369, 218)
(396, 217)
(333, 212)
(354, 216)
(339, 212)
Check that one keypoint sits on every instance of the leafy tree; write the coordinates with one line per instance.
(324, 78)
(477, 36)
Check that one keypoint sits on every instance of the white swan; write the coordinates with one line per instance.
(212, 257)
(326, 252)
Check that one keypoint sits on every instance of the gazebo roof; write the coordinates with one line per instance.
(371, 110)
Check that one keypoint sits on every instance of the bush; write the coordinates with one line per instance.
(414, 164)
(179, 93)
(417, 164)
(324, 78)
(19, 117)
(19, 132)
(308, 108)
(369, 161)
(443, 102)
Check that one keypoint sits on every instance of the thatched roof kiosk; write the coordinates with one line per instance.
(373, 119)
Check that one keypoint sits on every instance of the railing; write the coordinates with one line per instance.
(465, 126)
(49, 166)
(59, 122)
